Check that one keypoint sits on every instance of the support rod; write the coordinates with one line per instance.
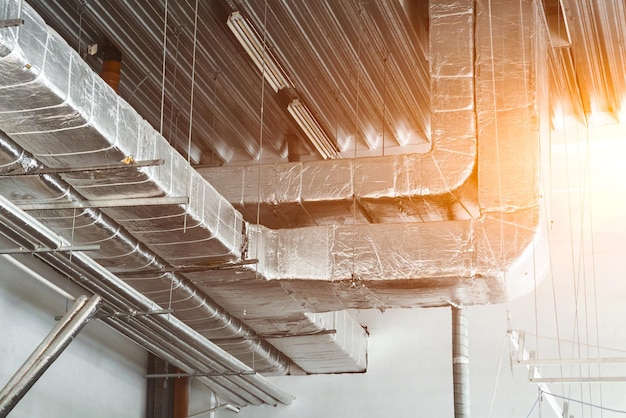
(47, 352)
(22, 250)
(460, 362)
(105, 203)
(66, 170)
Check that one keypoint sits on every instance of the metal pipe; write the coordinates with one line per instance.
(48, 351)
(166, 353)
(229, 324)
(38, 277)
(89, 274)
(198, 353)
(460, 362)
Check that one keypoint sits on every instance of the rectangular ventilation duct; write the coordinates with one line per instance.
(478, 134)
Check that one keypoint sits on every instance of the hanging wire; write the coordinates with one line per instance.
(80, 25)
(356, 130)
(173, 111)
(497, 383)
(163, 70)
(548, 217)
(593, 261)
(261, 115)
(582, 265)
(214, 118)
(193, 80)
(617, 350)
(497, 152)
(193, 85)
(537, 401)
(600, 407)
(143, 80)
(576, 336)
(385, 69)
(261, 127)
(169, 304)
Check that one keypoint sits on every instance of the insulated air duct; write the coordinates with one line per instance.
(480, 256)
(83, 125)
(480, 180)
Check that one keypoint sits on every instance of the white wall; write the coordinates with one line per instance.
(581, 302)
(409, 372)
(100, 374)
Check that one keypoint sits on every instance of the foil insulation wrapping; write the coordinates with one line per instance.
(399, 231)
(434, 186)
(339, 345)
(339, 260)
(66, 117)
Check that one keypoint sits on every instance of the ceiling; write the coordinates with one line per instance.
(362, 68)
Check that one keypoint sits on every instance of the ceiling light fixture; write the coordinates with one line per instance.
(249, 38)
(313, 130)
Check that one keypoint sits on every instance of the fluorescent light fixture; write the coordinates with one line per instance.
(313, 130)
(249, 38)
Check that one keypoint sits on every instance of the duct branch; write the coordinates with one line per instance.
(47, 352)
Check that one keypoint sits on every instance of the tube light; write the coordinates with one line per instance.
(312, 129)
(249, 38)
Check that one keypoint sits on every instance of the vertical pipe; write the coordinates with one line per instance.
(47, 352)
(460, 362)
(181, 396)
(111, 66)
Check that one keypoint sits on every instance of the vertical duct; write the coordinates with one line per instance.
(111, 66)
(460, 362)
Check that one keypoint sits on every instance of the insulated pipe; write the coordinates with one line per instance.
(460, 363)
(231, 325)
(82, 269)
(47, 352)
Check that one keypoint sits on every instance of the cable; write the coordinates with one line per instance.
(356, 130)
(260, 155)
(193, 79)
(495, 388)
(593, 258)
(534, 404)
(603, 408)
(574, 342)
(193, 85)
(163, 69)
